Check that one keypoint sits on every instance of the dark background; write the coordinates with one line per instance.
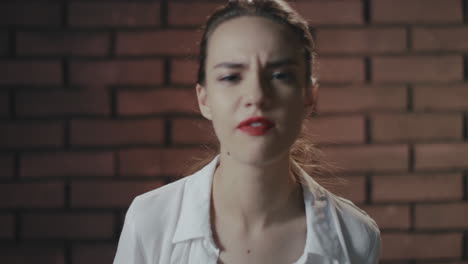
(97, 105)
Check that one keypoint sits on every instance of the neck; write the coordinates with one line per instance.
(254, 196)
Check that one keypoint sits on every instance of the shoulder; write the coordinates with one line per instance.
(352, 215)
(163, 194)
(147, 222)
(358, 230)
(150, 210)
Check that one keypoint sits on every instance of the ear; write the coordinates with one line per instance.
(202, 98)
(311, 95)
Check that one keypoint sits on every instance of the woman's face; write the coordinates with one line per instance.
(255, 67)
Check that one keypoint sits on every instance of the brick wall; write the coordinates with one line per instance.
(96, 99)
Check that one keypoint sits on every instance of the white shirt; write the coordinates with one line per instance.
(171, 225)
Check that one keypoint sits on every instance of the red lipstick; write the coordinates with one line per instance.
(256, 126)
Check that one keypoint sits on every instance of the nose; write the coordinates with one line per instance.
(256, 91)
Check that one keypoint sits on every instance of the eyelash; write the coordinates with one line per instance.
(289, 77)
(227, 78)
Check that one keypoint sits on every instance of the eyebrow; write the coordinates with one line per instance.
(273, 64)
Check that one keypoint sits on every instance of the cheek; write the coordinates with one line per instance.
(221, 115)
(293, 100)
(294, 111)
(220, 104)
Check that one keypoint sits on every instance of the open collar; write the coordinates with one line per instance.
(194, 219)
(323, 231)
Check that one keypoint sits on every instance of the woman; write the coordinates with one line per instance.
(252, 203)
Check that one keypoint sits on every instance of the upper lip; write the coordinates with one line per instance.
(254, 119)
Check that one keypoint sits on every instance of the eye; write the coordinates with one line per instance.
(283, 76)
(230, 78)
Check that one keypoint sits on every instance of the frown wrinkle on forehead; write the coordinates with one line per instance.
(272, 64)
(240, 41)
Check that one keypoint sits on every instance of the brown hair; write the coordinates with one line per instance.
(276, 10)
(303, 151)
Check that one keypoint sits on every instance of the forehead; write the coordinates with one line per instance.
(242, 38)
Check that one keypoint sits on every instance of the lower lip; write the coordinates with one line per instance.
(255, 131)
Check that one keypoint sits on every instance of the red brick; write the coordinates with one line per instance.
(201, 130)
(30, 72)
(361, 40)
(361, 98)
(138, 72)
(155, 162)
(6, 166)
(417, 68)
(63, 103)
(65, 164)
(141, 162)
(325, 12)
(114, 14)
(440, 39)
(389, 216)
(22, 134)
(187, 14)
(157, 101)
(352, 188)
(95, 253)
(37, 253)
(184, 71)
(4, 42)
(35, 14)
(164, 42)
(429, 187)
(443, 97)
(416, 127)
(441, 216)
(416, 11)
(441, 156)
(4, 104)
(29, 195)
(109, 194)
(62, 43)
(421, 246)
(67, 225)
(369, 157)
(7, 226)
(340, 70)
(329, 130)
(116, 132)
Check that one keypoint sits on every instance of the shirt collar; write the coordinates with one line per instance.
(194, 219)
